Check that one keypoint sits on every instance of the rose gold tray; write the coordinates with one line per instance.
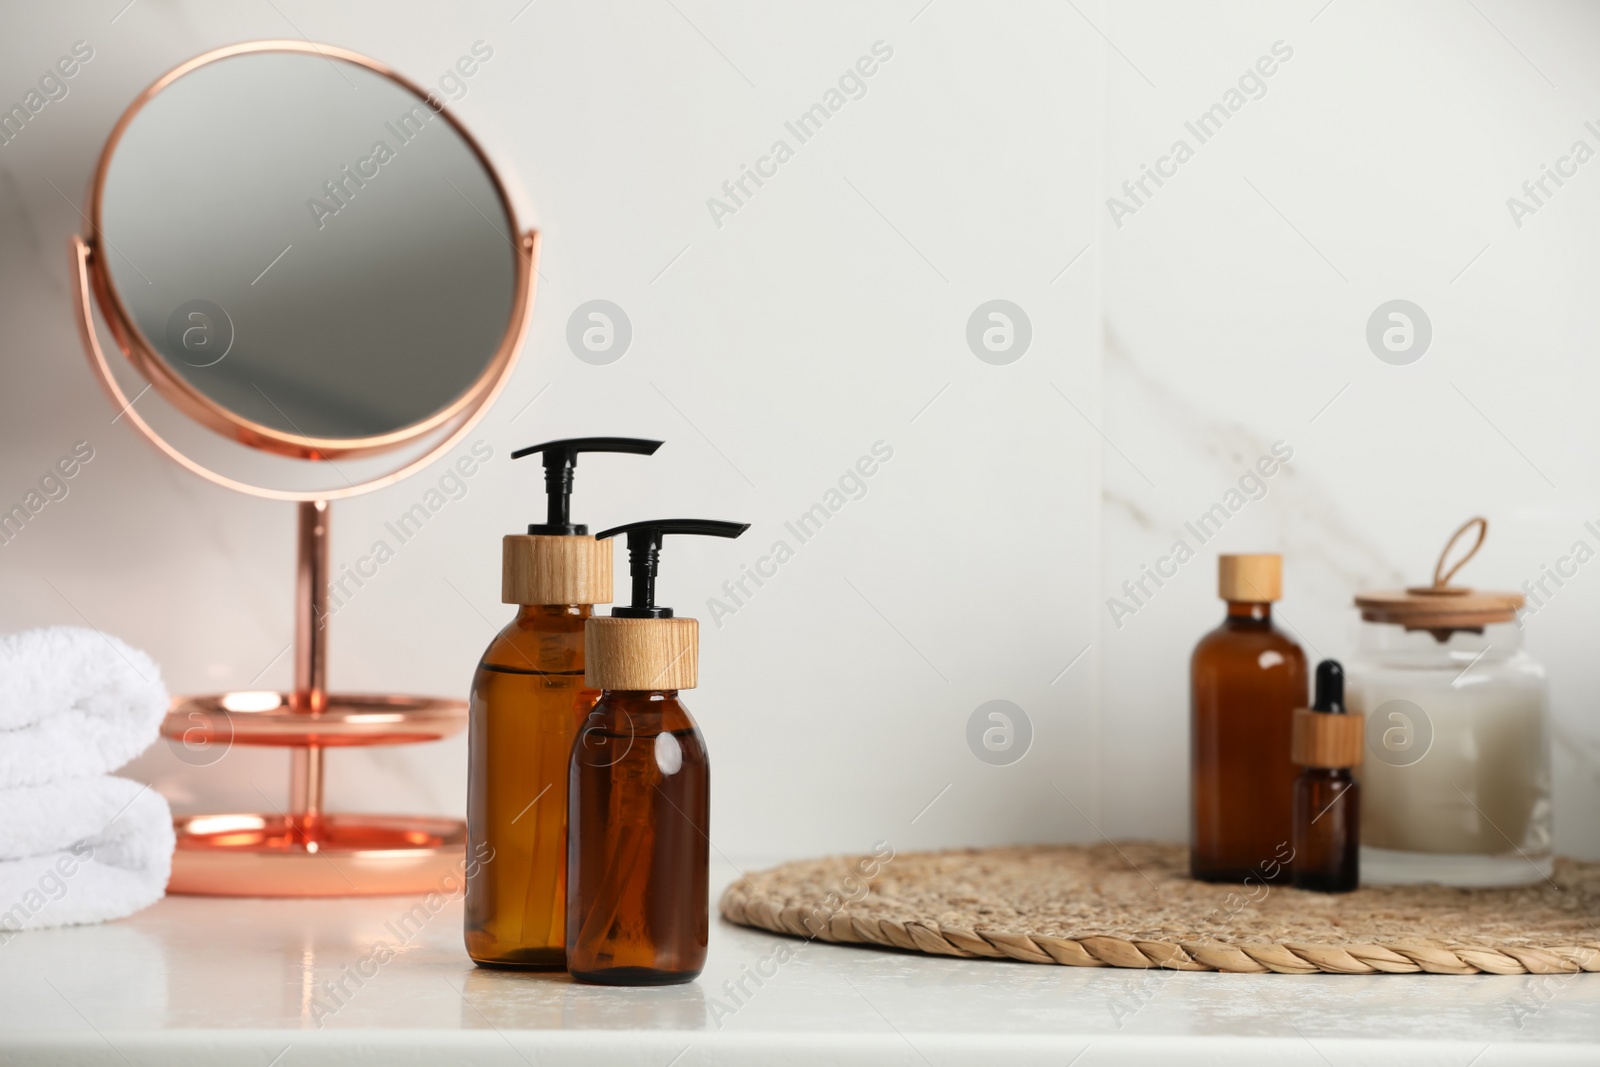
(266, 717)
(250, 855)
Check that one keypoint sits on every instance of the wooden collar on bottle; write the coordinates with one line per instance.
(555, 570)
(640, 654)
(1322, 739)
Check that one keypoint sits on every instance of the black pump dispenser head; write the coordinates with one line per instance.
(560, 461)
(1330, 688)
(644, 554)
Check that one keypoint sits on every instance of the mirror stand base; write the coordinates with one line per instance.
(305, 851)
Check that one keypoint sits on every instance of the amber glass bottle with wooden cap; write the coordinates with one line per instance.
(1246, 679)
(528, 701)
(638, 854)
(1327, 799)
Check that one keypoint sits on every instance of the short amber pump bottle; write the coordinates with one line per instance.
(528, 701)
(1246, 679)
(638, 852)
(1326, 744)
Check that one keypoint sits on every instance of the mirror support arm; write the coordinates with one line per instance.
(310, 696)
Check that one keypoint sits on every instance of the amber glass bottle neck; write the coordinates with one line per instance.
(1240, 611)
(548, 611)
(642, 709)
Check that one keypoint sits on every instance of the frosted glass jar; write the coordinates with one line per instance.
(1455, 783)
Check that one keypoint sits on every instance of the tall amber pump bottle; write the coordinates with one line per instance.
(1246, 679)
(528, 701)
(638, 854)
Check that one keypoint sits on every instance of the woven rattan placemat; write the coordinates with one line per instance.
(1133, 905)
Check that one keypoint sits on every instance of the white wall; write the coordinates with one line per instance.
(828, 313)
(1376, 167)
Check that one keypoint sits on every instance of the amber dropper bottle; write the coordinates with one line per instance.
(638, 854)
(1246, 679)
(528, 701)
(1327, 798)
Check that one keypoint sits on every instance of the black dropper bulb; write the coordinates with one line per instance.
(644, 556)
(1330, 687)
(560, 460)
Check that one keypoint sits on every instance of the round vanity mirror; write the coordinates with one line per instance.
(306, 253)
(301, 250)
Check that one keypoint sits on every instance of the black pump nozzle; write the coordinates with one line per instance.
(644, 553)
(560, 460)
(1330, 687)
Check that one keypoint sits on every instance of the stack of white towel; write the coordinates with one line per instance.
(77, 845)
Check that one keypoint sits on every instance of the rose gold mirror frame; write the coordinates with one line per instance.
(154, 368)
(304, 851)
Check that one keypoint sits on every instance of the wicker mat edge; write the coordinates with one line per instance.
(743, 903)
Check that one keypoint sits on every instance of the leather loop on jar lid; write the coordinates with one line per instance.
(1442, 608)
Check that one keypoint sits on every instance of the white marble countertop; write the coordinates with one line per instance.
(208, 981)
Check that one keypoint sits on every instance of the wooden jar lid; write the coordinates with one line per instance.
(1254, 578)
(1442, 607)
(536, 569)
(638, 654)
(1449, 608)
(1323, 739)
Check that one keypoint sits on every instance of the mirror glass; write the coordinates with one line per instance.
(309, 244)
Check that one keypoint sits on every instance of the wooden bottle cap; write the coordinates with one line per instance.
(637, 654)
(536, 569)
(1323, 739)
(1254, 578)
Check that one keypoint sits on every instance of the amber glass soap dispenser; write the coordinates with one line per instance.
(638, 854)
(1246, 679)
(528, 701)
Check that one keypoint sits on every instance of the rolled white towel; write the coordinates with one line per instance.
(81, 851)
(73, 703)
